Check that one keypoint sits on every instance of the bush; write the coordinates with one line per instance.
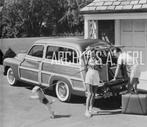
(1, 57)
(9, 54)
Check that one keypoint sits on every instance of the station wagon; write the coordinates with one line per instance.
(44, 65)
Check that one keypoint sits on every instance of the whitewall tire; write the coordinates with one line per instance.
(63, 91)
(10, 77)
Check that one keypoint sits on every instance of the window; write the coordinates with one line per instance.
(62, 54)
(52, 52)
(36, 51)
(106, 30)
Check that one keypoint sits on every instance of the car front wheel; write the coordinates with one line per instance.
(63, 91)
(10, 77)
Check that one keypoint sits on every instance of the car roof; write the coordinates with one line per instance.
(75, 42)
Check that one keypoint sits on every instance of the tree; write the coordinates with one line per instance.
(41, 17)
(72, 16)
(25, 17)
(1, 3)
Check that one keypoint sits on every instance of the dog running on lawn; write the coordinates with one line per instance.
(39, 94)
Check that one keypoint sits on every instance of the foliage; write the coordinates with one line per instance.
(9, 54)
(25, 17)
(72, 16)
(1, 57)
(1, 2)
(41, 18)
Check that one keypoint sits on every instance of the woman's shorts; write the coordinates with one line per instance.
(92, 77)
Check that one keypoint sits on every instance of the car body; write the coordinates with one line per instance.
(39, 67)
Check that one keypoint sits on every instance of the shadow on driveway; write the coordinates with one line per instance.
(62, 116)
(26, 85)
(108, 112)
(111, 103)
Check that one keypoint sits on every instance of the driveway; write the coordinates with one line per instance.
(17, 110)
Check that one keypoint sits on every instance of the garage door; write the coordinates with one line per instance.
(134, 33)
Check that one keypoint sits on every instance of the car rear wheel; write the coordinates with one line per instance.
(10, 77)
(63, 91)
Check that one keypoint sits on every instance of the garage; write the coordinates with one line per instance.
(134, 33)
(119, 22)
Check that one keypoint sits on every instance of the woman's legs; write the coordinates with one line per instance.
(91, 101)
(92, 98)
(94, 89)
(88, 100)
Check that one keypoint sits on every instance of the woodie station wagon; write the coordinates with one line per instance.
(62, 72)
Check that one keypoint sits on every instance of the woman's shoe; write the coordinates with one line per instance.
(87, 114)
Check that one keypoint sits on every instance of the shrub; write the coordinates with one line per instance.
(1, 57)
(9, 54)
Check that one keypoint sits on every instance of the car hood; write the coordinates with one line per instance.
(20, 56)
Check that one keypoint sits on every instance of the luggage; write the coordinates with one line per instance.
(134, 104)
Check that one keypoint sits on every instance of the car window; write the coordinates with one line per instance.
(61, 53)
(36, 51)
(51, 52)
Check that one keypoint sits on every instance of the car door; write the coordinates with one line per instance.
(63, 62)
(29, 69)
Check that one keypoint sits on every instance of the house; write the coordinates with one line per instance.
(121, 22)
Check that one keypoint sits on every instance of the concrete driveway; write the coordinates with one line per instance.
(17, 110)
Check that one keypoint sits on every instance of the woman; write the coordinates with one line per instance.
(92, 81)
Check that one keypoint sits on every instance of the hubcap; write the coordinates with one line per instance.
(62, 90)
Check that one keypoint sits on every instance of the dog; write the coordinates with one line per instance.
(39, 94)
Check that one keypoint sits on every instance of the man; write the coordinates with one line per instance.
(127, 63)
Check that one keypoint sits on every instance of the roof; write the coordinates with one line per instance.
(115, 6)
(77, 43)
